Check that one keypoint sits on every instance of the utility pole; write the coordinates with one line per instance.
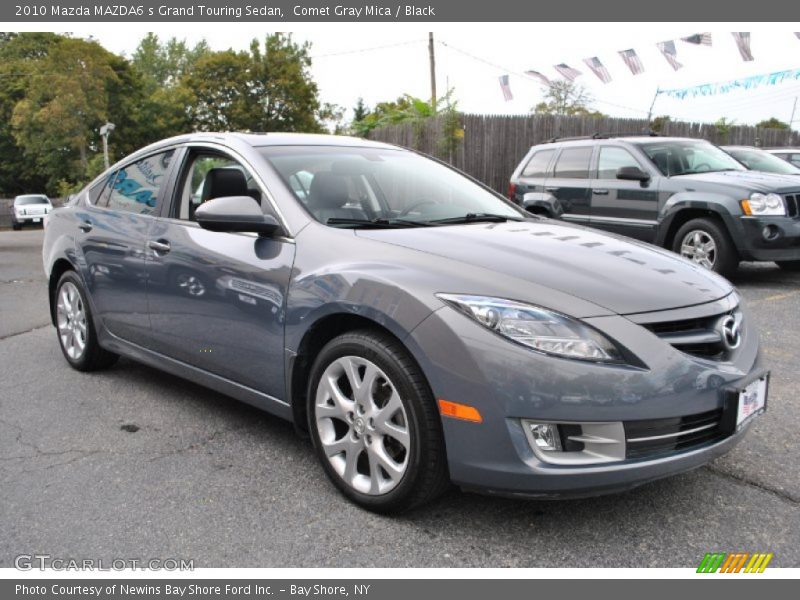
(432, 57)
(791, 119)
(105, 131)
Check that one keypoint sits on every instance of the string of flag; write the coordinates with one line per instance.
(669, 50)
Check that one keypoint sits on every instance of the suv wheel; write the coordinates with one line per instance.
(75, 328)
(16, 226)
(374, 423)
(789, 265)
(706, 243)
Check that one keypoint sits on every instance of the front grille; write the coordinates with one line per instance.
(792, 205)
(653, 438)
(698, 337)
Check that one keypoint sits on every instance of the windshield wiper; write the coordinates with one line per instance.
(478, 218)
(378, 223)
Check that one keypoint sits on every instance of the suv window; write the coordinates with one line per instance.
(574, 163)
(611, 159)
(537, 165)
(135, 187)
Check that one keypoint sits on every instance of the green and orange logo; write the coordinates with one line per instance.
(737, 562)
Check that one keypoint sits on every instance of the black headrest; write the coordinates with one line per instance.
(224, 182)
(328, 190)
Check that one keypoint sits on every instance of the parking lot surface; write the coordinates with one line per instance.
(134, 463)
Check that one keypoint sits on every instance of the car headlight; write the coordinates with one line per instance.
(537, 328)
(764, 204)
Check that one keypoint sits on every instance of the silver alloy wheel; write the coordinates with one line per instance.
(362, 425)
(699, 246)
(71, 321)
(190, 284)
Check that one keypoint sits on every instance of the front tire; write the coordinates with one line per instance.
(374, 423)
(706, 242)
(16, 226)
(75, 328)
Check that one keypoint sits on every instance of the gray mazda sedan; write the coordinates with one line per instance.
(419, 327)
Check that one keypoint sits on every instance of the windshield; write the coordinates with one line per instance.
(348, 187)
(22, 200)
(688, 157)
(759, 160)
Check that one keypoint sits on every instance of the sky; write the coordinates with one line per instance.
(380, 62)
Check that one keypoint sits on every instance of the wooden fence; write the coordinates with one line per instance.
(493, 145)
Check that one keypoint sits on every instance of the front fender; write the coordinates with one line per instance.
(722, 205)
(543, 201)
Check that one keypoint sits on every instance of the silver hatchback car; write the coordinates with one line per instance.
(419, 327)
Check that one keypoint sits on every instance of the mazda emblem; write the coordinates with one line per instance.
(730, 332)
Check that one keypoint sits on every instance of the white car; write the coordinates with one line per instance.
(29, 208)
(791, 155)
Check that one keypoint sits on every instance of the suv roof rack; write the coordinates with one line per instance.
(603, 136)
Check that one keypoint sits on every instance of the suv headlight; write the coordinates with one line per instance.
(537, 328)
(764, 204)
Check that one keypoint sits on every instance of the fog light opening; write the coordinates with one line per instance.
(770, 232)
(545, 436)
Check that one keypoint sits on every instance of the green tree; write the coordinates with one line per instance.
(66, 100)
(265, 89)
(724, 126)
(19, 56)
(772, 123)
(165, 64)
(658, 124)
(566, 98)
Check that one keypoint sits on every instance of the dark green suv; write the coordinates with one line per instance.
(683, 194)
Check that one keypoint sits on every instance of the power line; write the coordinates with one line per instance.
(370, 49)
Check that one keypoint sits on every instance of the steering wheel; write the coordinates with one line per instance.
(706, 165)
(416, 205)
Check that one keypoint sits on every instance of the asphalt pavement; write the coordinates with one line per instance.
(134, 463)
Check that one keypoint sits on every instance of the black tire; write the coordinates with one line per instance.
(16, 226)
(789, 265)
(93, 358)
(426, 475)
(726, 259)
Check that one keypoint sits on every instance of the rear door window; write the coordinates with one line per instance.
(574, 163)
(537, 165)
(136, 187)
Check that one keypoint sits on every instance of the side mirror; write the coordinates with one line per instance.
(235, 213)
(632, 174)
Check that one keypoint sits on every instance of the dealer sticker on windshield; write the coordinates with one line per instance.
(752, 400)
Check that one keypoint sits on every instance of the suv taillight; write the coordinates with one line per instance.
(512, 191)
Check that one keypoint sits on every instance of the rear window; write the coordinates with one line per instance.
(537, 165)
(574, 163)
(23, 200)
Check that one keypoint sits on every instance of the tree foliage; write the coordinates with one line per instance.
(773, 123)
(566, 98)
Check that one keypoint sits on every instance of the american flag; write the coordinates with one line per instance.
(507, 95)
(632, 60)
(670, 53)
(598, 69)
(540, 77)
(568, 72)
(699, 39)
(743, 43)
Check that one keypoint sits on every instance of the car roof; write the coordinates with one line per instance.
(32, 196)
(790, 149)
(742, 148)
(614, 138)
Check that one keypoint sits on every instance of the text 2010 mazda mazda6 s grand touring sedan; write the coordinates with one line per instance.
(420, 327)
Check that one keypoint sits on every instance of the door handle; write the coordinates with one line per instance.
(85, 226)
(600, 192)
(159, 247)
(551, 189)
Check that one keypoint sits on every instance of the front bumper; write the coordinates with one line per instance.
(783, 243)
(22, 219)
(468, 364)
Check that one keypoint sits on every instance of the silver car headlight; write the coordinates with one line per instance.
(764, 204)
(537, 328)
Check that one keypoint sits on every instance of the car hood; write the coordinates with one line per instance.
(616, 273)
(754, 181)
